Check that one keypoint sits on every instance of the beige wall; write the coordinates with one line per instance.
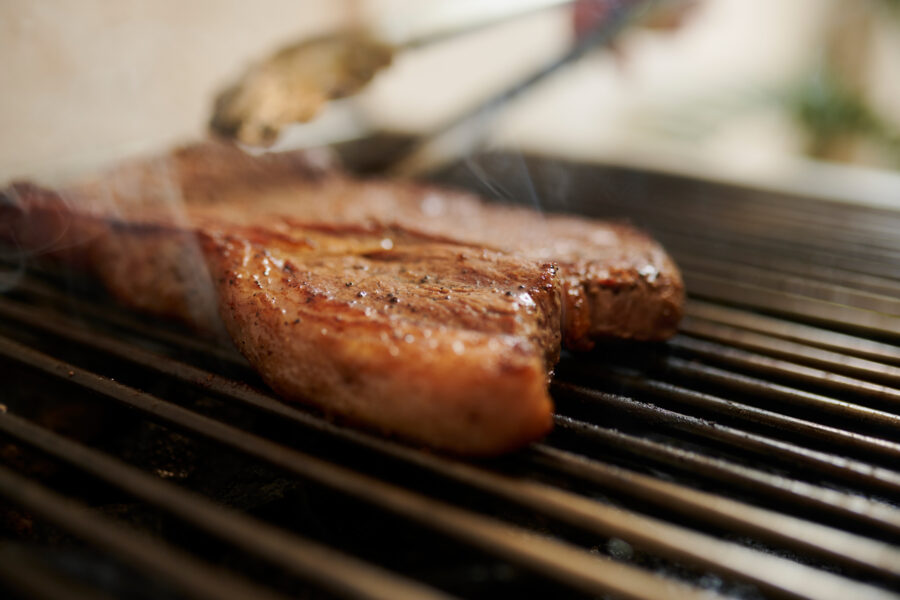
(87, 80)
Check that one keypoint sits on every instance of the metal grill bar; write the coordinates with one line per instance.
(189, 374)
(331, 570)
(799, 494)
(720, 222)
(703, 243)
(766, 344)
(804, 334)
(841, 468)
(679, 233)
(564, 506)
(846, 440)
(799, 285)
(857, 415)
(191, 576)
(566, 564)
(797, 534)
(687, 246)
(741, 359)
(802, 307)
(125, 321)
(797, 223)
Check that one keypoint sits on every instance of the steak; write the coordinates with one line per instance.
(411, 309)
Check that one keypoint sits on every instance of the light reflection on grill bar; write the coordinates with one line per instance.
(766, 365)
(839, 467)
(688, 246)
(831, 228)
(726, 289)
(803, 334)
(818, 357)
(789, 396)
(797, 494)
(736, 243)
(799, 285)
(230, 388)
(774, 231)
(770, 255)
(769, 525)
(841, 440)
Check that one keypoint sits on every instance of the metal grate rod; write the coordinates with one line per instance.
(838, 505)
(687, 246)
(184, 571)
(835, 466)
(795, 332)
(778, 528)
(855, 414)
(839, 439)
(751, 361)
(767, 344)
(742, 293)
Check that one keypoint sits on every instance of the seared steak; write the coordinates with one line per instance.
(415, 310)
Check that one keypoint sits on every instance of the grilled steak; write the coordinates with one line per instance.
(415, 310)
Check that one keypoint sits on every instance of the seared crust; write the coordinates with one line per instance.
(459, 362)
(415, 310)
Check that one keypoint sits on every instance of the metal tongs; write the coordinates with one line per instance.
(295, 84)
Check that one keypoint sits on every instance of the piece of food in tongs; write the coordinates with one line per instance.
(407, 308)
(293, 85)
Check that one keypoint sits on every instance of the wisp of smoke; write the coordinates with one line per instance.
(157, 183)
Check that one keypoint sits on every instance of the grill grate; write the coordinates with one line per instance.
(754, 455)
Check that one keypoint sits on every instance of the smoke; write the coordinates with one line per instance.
(12, 269)
(16, 245)
(12, 259)
(155, 184)
(124, 227)
(513, 177)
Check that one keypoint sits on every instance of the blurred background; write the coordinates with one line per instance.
(736, 88)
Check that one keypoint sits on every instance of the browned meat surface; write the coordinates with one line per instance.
(446, 345)
(415, 310)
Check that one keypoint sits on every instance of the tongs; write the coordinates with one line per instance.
(296, 83)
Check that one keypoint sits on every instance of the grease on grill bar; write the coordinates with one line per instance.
(753, 456)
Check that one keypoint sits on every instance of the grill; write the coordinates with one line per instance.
(753, 456)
